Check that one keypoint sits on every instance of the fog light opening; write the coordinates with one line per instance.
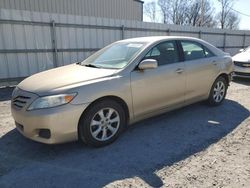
(19, 126)
(44, 133)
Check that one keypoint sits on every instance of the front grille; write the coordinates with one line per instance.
(242, 73)
(20, 101)
(241, 64)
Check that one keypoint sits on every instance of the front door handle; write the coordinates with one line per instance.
(179, 71)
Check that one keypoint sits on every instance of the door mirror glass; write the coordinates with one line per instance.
(148, 64)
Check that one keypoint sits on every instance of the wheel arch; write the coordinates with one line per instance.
(225, 76)
(109, 97)
(210, 99)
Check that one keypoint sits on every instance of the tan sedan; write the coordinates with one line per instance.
(127, 81)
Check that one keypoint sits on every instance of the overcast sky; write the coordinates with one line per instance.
(239, 5)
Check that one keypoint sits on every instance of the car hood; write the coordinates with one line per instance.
(242, 57)
(54, 79)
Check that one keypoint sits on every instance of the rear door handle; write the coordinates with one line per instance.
(214, 62)
(179, 71)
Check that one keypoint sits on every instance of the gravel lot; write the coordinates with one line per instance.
(197, 146)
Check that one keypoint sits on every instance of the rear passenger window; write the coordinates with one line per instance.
(192, 50)
(165, 53)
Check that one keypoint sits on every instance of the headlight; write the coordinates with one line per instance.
(51, 101)
(14, 92)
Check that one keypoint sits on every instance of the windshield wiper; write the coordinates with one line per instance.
(91, 65)
(94, 66)
(79, 63)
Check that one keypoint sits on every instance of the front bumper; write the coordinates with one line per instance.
(61, 122)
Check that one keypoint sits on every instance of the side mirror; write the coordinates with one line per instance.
(148, 64)
(241, 50)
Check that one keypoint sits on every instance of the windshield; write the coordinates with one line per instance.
(115, 56)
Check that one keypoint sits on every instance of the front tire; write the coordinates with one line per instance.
(218, 91)
(102, 123)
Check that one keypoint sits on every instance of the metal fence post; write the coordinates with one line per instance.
(244, 41)
(54, 43)
(224, 41)
(123, 31)
(199, 34)
(168, 32)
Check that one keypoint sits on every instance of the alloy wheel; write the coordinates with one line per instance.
(219, 91)
(104, 124)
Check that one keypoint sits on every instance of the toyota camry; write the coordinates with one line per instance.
(94, 100)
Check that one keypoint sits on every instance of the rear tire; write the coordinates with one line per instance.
(218, 91)
(102, 123)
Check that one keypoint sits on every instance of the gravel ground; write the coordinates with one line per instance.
(196, 146)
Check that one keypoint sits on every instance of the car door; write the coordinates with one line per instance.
(201, 69)
(155, 89)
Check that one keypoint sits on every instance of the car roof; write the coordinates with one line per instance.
(152, 39)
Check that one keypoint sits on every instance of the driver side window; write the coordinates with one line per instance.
(165, 53)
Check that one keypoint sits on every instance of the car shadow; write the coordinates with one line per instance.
(141, 151)
(244, 81)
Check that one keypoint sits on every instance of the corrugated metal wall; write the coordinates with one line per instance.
(118, 9)
(30, 43)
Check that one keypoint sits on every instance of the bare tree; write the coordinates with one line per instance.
(150, 11)
(188, 12)
(201, 14)
(193, 15)
(227, 18)
(179, 10)
(174, 11)
(232, 21)
(165, 9)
